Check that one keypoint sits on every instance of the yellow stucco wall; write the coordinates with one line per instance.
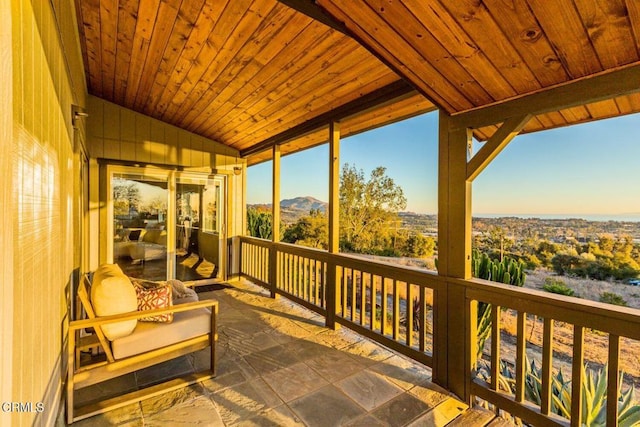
(45, 81)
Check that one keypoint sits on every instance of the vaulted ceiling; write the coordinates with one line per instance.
(249, 73)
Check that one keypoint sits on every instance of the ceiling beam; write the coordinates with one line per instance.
(594, 88)
(313, 11)
(390, 93)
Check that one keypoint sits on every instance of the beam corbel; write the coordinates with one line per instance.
(509, 130)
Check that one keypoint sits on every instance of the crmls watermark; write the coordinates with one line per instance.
(22, 407)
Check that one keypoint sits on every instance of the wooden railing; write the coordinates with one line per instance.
(407, 309)
(552, 311)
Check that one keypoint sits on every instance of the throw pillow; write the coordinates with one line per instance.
(112, 293)
(153, 295)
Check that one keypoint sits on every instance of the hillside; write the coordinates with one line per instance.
(292, 209)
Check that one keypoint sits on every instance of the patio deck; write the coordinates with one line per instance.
(279, 366)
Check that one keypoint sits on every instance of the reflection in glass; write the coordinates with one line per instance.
(197, 233)
(139, 224)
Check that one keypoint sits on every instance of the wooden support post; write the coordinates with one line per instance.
(275, 222)
(454, 357)
(333, 288)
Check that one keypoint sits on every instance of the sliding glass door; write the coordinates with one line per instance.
(199, 213)
(166, 224)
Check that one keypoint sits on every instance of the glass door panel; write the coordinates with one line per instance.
(198, 227)
(140, 208)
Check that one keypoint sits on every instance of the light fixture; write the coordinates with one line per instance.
(237, 170)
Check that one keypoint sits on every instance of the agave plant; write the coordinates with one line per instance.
(594, 394)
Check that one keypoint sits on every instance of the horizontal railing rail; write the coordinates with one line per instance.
(406, 308)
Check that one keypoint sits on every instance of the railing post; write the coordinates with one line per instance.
(456, 317)
(273, 270)
(332, 291)
(275, 221)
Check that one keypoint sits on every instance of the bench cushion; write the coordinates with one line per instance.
(150, 336)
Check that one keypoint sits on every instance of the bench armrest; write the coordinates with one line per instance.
(134, 315)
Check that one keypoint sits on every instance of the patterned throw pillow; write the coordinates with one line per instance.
(152, 295)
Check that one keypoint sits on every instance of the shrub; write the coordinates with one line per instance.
(612, 298)
(557, 286)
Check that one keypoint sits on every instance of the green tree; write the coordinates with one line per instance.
(367, 207)
(418, 246)
(310, 230)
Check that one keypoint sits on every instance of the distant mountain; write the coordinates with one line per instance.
(304, 204)
(292, 209)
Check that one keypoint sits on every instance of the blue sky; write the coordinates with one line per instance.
(588, 169)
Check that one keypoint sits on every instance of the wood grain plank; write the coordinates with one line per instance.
(416, 33)
(166, 18)
(188, 15)
(146, 21)
(563, 27)
(308, 81)
(198, 37)
(219, 82)
(265, 45)
(633, 8)
(609, 28)
(127, 15)
(602, 109)
(235, 26)
(108, 33)
(461, 47)
(476, 20)
(370, 28)
(520, 26)
(91, 29)
(299, 53)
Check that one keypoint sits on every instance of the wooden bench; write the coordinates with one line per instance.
(81, 376)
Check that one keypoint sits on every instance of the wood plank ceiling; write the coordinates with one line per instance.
(242, 72)
(234, 71)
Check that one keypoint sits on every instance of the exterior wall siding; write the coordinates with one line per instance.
(41, 207)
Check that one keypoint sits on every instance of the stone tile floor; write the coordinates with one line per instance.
(279, 366)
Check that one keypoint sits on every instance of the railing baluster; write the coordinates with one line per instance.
(613, 380)
(547, 363)
(345, 291)
(353, 295)
(577, 377)
(305, 278)
(383, 303)
(409, 315)
(495, 347)
(362, 298)
(422, 321)
(372, 301)
(396, 310)
(319, 270)
(521, 348)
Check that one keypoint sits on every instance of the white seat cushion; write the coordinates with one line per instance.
(150, 336)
